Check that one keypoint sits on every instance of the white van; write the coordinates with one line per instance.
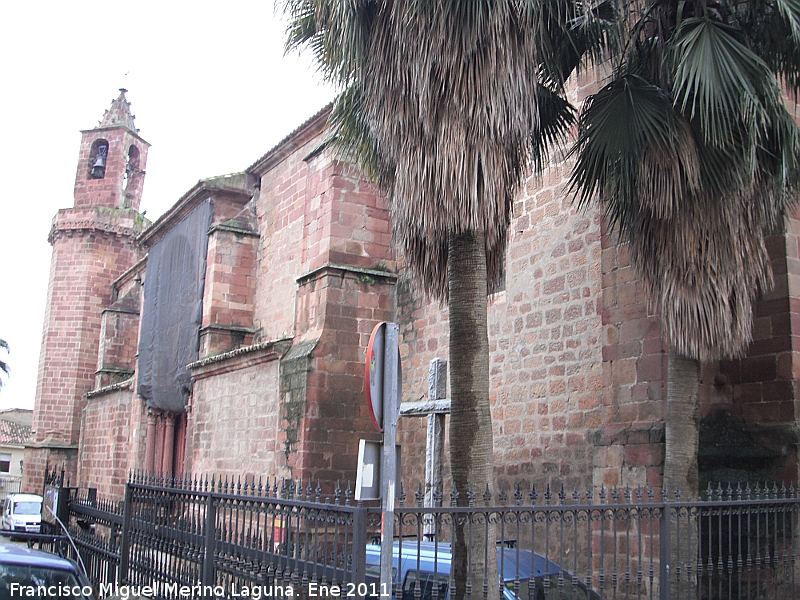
(22, 513)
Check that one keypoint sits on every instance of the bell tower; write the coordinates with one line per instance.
(93, 244)
(111, 161)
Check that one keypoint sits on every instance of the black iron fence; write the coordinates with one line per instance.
(179, 538)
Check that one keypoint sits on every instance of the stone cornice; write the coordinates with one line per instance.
(114, 387)
(87, 228)
(240, 358)
(232, 229)
(230, 185)
(126, 311)
(127, 130)
(53, 445)
(93, 220)
(291, 143)
(381, 276)
(421, 408)
(131, 273)
(234, 328)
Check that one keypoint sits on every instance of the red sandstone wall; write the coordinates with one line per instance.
(119, 332)
(545, 338)
(630, 445)
(348, 306)
(234, 421)
(293, 217)
(83, 267)
(312, 213)
(112, 441)
(229, 291)
(319, 225)
(761, 389)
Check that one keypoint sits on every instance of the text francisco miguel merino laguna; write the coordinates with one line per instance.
(126, 592)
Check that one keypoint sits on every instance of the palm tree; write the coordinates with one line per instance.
(693, 157)
(4, 365)
(442, 104)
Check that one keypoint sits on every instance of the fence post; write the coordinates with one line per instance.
(665, 552)
(359, 545)
(125, 542)
(209, 576)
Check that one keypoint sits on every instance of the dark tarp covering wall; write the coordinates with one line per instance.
(173, 309)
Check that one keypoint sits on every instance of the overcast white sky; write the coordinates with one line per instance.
(211, 90)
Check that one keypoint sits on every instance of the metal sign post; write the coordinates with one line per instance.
(391, 409)
(383, 385)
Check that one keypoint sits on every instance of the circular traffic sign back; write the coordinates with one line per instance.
(376, 351)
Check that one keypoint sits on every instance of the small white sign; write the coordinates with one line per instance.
(368, 473)
(368, 476)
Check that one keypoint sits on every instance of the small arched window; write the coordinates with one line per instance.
(132, 166)
(97, 159)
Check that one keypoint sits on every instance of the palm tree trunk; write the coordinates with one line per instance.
(471, 451)
(682, 435)
(682, 427)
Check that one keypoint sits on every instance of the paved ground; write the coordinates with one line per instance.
(16, 542)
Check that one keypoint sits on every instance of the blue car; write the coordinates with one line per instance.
(428, 565)
(28, 573)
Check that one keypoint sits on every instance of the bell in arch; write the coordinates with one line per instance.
(99, 162)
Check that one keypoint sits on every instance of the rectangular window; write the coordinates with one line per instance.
(5, 462)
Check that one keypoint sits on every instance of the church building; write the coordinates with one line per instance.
(229, 336)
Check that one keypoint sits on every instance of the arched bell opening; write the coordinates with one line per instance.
(98, 156)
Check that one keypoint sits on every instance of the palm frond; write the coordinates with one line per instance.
(556, 116)
(570, 34)
(445, 82)
(4, 366)
(352, 140)
(633, 148)
(702, 270)
(336, 33)
(772, 30)
(717, 78)
(693, 157)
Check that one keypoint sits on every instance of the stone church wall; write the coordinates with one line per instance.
(545, 336)
(234, 420)
(112, 440)
(300, 269)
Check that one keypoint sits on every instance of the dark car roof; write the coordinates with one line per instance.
(514, 562)
(19, 555)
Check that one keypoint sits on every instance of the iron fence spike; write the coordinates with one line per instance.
(470, 496)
